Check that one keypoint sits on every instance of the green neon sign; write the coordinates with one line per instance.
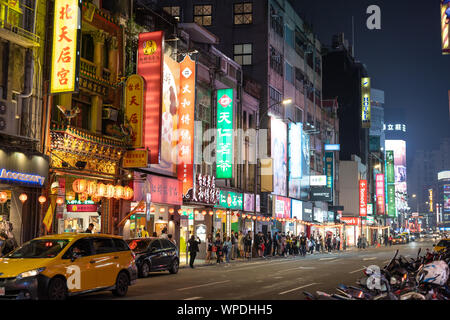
(230, 200)
(224, 144)
(390, 175)
(391, 200)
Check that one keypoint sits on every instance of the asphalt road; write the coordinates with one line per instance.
(268, 279)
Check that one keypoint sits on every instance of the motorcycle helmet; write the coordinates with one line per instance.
(436, 272)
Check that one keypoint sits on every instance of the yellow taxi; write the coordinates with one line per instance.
(56, 266)
(442, 245)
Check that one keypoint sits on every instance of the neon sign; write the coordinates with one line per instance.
(21, 177)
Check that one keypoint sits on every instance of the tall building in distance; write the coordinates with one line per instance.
(376, 132)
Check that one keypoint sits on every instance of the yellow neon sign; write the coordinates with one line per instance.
(65, 39)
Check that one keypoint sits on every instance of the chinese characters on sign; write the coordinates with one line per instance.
(390, 175)
(394, 127)
(365, 96)
(65, 54)
(134, 108)
(362, 198)
(135, 159)
(329, 167)
(224, 146)
(186, 124)
(230, 200)
(379, 180)
(391, 200)
(150, 67)
(430, 200)
(204, 191)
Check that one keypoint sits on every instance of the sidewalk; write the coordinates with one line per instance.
(202, 262)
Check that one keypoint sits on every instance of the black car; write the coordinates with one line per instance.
(154, 254)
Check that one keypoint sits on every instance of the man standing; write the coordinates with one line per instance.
(268, 244)
(303, 242)
(275, 244)
(193, 249)
(90, 228)
(338, 242)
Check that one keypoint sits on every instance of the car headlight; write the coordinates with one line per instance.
(30, 273)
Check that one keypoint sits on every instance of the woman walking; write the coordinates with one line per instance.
(209, 246)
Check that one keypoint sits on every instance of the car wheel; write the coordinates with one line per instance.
(174, 268)
(57, 289)
(121, 285)
(144, 270)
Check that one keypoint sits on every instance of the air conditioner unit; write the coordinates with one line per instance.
(8, 122)
(109, 113)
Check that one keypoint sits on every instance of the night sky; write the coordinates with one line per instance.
(403, 58)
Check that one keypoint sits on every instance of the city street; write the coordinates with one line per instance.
(270, 279)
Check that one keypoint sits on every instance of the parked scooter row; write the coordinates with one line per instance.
(425, 277)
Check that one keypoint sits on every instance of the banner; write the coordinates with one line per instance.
(186, 124)
(362, 198)
(66, 43)
(379, 181)
(329, 170)
(390, 173)
(134, 108)
(150, 67)
(391, 200)
(230, 200)
(224, 145)
(365, 103)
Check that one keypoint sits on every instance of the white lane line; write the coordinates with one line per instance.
(372, 258)
(326, 259)
(193, 298)
(309, 268)
(251, 267)
(335, 260)
(306, 285)
(357, 270)
(203, 285)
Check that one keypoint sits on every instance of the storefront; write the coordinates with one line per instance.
(228, 213)
(257, 225)
(352, 230)
(281, 212)
(23, 177)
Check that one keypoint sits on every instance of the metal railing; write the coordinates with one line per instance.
(19, 19)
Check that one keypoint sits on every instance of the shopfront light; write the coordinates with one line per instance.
(3, 197)
(59, 201)
(211, 213)
(171, 210)
(23, 197)
(162, 210)
(180, 212)
(42, 199)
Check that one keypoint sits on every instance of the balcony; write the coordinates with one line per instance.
(93, 83)
(17, 24)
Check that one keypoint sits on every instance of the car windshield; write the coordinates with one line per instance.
(43, 248)
(138, 245)
(444, 243)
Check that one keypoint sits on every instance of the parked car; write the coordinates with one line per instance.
(56, 266)
(154, 254)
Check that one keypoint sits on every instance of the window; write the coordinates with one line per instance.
(174, 11)
(44, 248)
(289, 73)
(203, 15)
(276, 21)
(243, 54)
(298, 115)
(167, 244)
(276, 61)
(275, 96)
(156, 245)
(82, 248)
(243, 13)
(289, 36)
(87, 47)
(103, 245)
(300, 43)
(121, 245)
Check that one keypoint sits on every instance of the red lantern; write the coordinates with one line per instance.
(152, 209)
(79, 185)
(128, 193)
(171, 210)
(42, 199)
(91, 188)
(238, 215)
(101, 190)
(59, 201)
(118, 192)
(211, 213)
(180, 211)
(204, 213)
(3, 197)
(259, 218)
(254, 217)
(109, 191)
(23, 197)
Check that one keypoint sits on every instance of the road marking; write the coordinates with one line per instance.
(252, 266)
(278, 277)
(357, 270)
(306, 285)
(372, 258)
(193, 298)
(326, 258)
(307, 268)
(335, 260)
(204, 285)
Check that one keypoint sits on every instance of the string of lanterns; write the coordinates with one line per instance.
(100, 190)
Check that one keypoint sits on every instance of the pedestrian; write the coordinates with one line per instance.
(390, 240)
(363, 241)
(338, 242)
(90, 228)
(359, 242)
(193, 249)
(334, 242)
(236, 245)
(248, 245)
(311, 245)
(283, 244)
(329, 243)
(171, 239)
(303, 243)
(241, 244)
(209, 247)
(386, 240)
(233, 245)
(164, 234)
(268, 244)
(144, 233)
(227, 245)
(275, 244)
(218, 248)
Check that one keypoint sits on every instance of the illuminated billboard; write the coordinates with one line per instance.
(295, 159)
(365, 102)
(224, 146)
(305, 165)
(362, 198)
(445, 17)
(379, 187)
(66, 43)
(279, 155)
(399, 148)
